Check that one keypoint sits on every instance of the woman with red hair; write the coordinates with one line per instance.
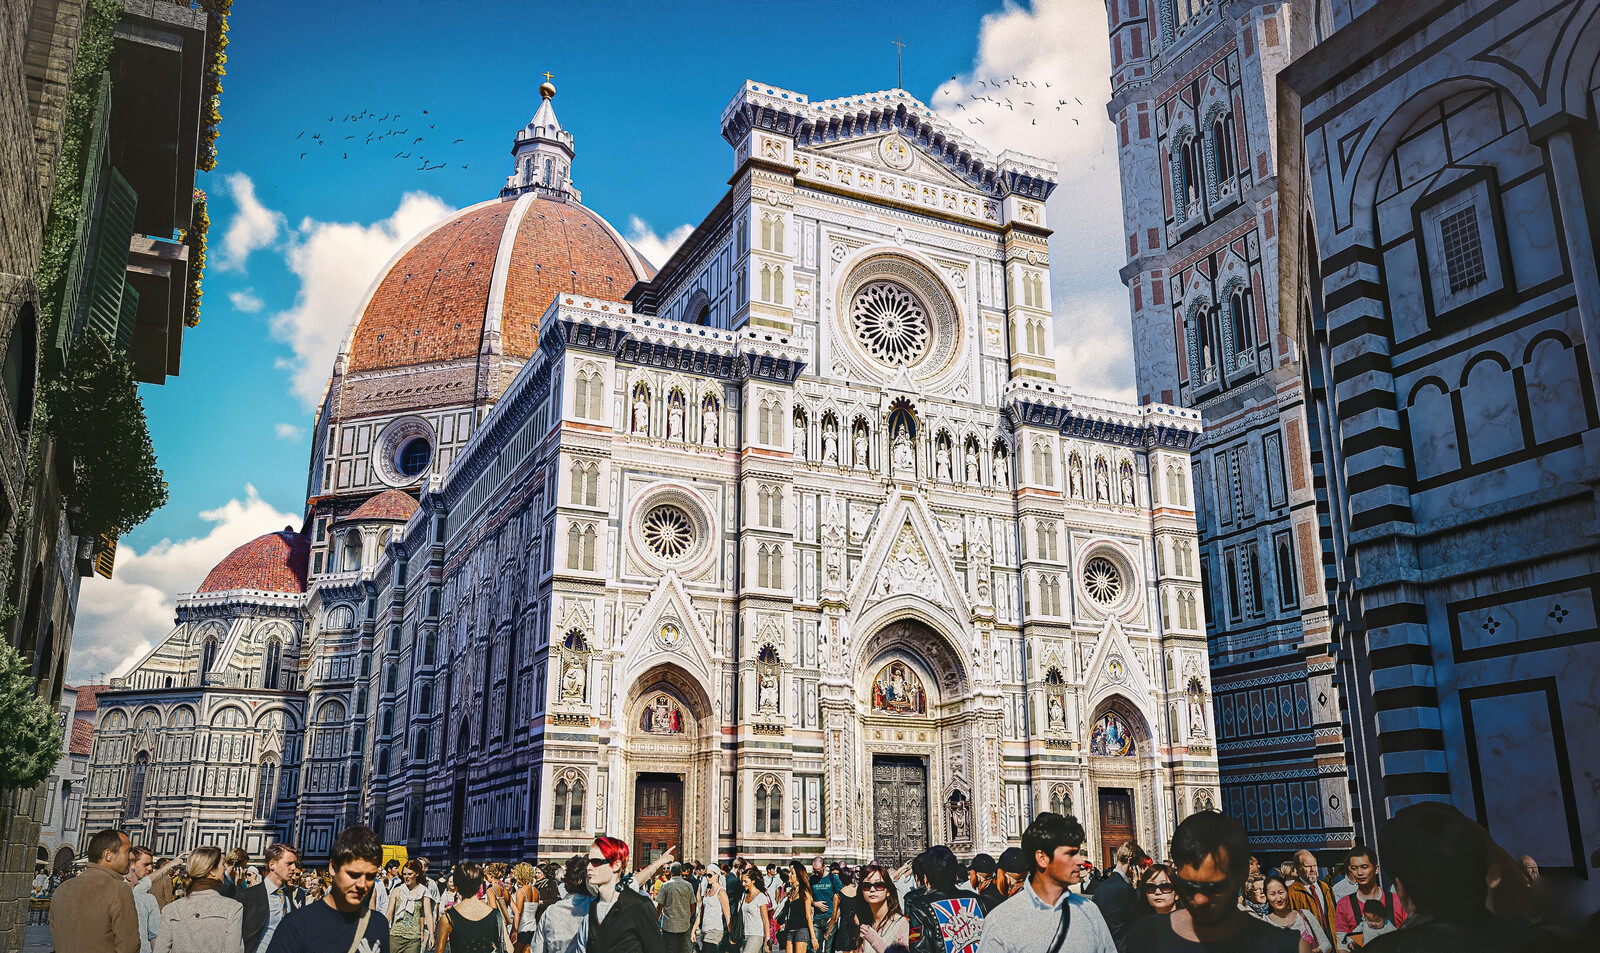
(621, 919)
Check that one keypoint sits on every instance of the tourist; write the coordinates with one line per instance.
(825, 884)
(711, 924)
(1045, 916)
(344, 919)
(980, 874)
(1362, 864)
(843, 930)
(1212, 855)
(526, 903)
(942, 917)
(140, 863)
(620, 921)
(1375, 923)
(675, 907)
(1010, 870)
(474, 924)
(1283, 914)
(1308, 892)
(1116, 897)
(94, 912)
(204, 921)
(268, 902)
(1440, 863)
(564, 927)
(1254, 898)
(1157, 894)
(409, 912)
(881, 924)
(797, 923)
(235, 865)
(755, 911)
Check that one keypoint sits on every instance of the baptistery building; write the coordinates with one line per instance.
(797, 545)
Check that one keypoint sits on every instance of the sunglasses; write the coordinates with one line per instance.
(874, 885)
(1189, 888)
(598, 862)
(1158, 888)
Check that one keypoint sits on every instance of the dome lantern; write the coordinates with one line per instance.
(542, 152)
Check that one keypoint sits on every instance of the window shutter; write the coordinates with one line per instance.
(94, 169)
(105, 313)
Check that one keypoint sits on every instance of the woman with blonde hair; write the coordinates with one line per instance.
(204, 921)
(525, 906)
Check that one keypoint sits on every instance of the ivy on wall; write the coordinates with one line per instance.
(93, 411)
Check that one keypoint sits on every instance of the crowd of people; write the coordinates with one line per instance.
(1449, 888)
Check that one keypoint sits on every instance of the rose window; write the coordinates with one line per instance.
(1102, 580)
(668, 533)
(891, 323)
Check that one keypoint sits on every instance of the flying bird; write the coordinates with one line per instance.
(302, 132)
(1080, 102)
(302, 155)
(1076, 123)
(458, 140)
(416, 140)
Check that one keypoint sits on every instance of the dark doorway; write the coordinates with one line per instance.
(1116, 823)
(899, 809)
(458, 815)
(657, 816)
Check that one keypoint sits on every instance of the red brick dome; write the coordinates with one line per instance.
(275, 562)
(389, 505)
(498, 265)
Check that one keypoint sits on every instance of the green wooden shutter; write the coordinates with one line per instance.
(127, 316)
(103, 310)
(94, 168)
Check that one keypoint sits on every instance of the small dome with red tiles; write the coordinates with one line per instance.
(394, 505)
(275, 562)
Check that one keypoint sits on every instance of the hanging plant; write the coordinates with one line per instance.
(93, 411)
(30, 739)
(195, 238)
(216, 68)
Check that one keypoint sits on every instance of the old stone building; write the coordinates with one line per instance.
(1194, 101)
(797, 545)
(1449, 157)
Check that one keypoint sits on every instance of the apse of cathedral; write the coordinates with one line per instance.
(796, 545)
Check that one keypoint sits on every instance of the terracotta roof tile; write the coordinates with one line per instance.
(82, 741)
(87, 699)
(275, 562)
(388, 505)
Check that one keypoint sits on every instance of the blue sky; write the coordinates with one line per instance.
(294, 241)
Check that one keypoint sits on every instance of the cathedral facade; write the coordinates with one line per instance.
(797, 545)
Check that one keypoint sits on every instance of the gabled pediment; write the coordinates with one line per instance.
(668, 630)
(907, 556)
(1114, 669)
(895, 155)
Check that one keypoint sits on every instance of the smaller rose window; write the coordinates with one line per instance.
(891, 323)
(668, 532)
(1102, 580)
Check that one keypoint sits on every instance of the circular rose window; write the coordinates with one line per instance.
(668, 532)
(890, 322)
(1102, 580)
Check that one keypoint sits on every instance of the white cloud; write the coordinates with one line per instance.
(336, 262)
(1062, 43)
(245, 302)
(253, 225)
(288, 431)
(656, 249)
(121, 618)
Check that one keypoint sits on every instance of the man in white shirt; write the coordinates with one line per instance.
(1045, 914)
(139, 866)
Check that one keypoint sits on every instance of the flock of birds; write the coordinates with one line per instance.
(376, 133)
(999, 100)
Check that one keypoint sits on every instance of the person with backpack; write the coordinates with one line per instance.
(1348, 915)
(1044, 916)
(944, 918)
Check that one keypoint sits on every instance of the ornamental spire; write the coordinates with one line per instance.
(543, 152)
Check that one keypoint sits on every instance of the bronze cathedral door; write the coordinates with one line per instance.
(657, 816)
(899, 809)
(1116, 823)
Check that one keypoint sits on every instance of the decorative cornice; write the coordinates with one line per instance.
(1036, 403)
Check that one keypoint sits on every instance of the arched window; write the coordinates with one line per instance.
(208, 656)
(270, 672)
(141, 768)
(1222, 143)
(549, 173)
(383, 762)
(1241, 312)
(420, 751)
(388, 723)
(761, 809)
(267, 790)
(391, 678)
(350, 552)
(425, 700)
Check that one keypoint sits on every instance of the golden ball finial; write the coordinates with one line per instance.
(546, 90)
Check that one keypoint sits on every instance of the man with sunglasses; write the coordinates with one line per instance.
(1045, 916)
(1212, 857)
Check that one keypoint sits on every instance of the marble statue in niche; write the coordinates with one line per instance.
(861, 446)
(1127, 484)
(942, 462)
(904, 459)
(710, 416)
(675, 415)
(1102, 481)
(1075, 476)
(641, 409)
(830, 442)
(972, 464)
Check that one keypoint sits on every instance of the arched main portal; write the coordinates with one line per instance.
(1122, 802)
(919, 750)
(670, 737)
